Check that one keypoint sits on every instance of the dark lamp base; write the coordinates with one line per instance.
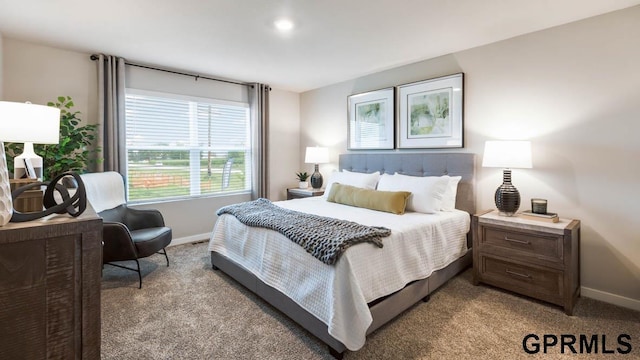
(316, 178)
(507, 196)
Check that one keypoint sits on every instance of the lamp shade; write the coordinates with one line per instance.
(26, 122)
(316, 155)
(507, 154)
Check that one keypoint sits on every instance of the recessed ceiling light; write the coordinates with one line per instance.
(283, 24)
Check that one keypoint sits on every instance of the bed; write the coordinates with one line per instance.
(341, 304)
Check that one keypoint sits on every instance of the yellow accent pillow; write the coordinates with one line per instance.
(390, 201)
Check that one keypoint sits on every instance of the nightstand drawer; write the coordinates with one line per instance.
(526, 245)
(541, 283)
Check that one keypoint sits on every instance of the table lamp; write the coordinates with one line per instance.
(27, 123)
(316, 155)
(507, 155)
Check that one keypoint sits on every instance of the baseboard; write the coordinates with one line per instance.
(190, 239)
(610, 298)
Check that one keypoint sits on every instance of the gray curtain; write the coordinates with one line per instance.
(111, 115)
(259, 103)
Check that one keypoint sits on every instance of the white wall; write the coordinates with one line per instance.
(574, 91)
(40, 73)
(284, 142)
(166, 82)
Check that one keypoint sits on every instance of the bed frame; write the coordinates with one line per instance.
(385, 309)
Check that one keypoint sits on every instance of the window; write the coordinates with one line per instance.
(181, 146)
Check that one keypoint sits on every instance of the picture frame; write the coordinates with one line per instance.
(430, 113)
(371, 120)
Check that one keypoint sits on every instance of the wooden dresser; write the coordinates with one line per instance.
(529, 257)
(50, 272)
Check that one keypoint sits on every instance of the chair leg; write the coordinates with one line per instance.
(139, 274)
(164, 252)
(128, 268)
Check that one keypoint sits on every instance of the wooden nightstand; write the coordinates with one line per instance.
(529, 257)
(297, 193)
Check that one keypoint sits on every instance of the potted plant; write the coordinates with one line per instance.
(302, 180)
(74, 152)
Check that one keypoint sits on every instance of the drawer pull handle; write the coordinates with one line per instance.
(527, 276)
(525, 242)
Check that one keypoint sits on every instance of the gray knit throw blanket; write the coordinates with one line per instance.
(323, 237)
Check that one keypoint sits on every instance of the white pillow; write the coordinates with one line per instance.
(361, 180)
(426, 191)
(449, 196)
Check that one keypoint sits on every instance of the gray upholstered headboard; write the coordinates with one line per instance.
(432, 164)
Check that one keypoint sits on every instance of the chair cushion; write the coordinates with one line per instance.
(150, 241)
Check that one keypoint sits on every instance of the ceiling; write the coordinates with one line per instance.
(332, 41)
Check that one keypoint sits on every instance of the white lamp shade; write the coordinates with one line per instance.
(507, 154)
(25, 122)
(316, 155)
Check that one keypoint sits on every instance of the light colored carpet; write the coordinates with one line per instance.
(189, 311)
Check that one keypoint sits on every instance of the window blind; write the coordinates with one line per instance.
(179, 146)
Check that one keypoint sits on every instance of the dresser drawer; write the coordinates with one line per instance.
(524, 245)
(545, 284)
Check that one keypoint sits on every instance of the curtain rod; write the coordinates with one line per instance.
(95, 57)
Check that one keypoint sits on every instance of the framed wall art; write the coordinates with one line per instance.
(371, 120)
(430, 113)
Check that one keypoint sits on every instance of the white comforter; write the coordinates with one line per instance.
(338, 295)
